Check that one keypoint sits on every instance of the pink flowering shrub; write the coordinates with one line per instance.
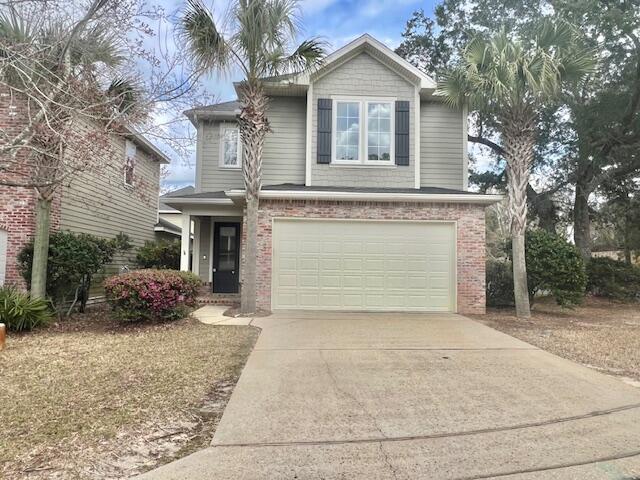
(152, 294)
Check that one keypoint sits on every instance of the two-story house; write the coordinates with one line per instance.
(364, 204)
(122, 197)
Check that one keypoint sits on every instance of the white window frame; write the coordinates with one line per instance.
(129, 147)
(223, 128)
(363, 146)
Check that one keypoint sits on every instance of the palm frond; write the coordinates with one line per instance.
(125, 94)
(309, 56)
(204, 41)
(508, 72)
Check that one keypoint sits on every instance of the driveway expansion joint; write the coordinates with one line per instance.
(394, 349)
(463, 433)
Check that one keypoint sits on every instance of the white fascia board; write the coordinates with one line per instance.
(426, 82)
(177, 201)
(373, 197)
(177, 233)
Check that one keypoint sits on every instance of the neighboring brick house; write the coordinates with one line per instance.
(122, 197)
(364, 204)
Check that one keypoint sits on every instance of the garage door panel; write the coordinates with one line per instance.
(352, 281)
(363, 265)
(374, 248)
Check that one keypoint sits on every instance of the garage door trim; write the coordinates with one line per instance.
(274, 220)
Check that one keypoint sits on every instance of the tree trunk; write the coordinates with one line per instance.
(254, 127)
(519, 141)
(520, 285)
(628, 225)
(248, 298)
(582, 220)
(41, 249)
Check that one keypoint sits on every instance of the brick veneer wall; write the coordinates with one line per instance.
(470, 242)
(18, 204)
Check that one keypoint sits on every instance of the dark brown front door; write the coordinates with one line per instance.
(226, 257)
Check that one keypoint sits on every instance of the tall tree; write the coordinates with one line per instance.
(257, 40)
(436, 45)
(74, 76)
(58, 73)
(605, 110)
(583, 139)
(513, 80)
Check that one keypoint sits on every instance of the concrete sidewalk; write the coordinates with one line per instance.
(405, 396)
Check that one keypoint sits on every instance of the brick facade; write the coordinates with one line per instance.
(18, 204)
(470, 242)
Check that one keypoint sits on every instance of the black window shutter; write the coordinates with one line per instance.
(324, 130)
(402, 133)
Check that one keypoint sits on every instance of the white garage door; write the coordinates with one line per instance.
(363, 265)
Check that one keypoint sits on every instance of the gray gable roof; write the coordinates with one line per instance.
(221, 110)
(175, 193)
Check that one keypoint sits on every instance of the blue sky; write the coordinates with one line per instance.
(337, 22)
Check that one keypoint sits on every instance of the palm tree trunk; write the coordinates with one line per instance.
(519, 141)
(41, 249)
(254, 127)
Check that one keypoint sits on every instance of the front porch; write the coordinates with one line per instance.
(215, 224)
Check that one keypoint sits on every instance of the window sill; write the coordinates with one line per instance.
(362, 165)
(227, 167)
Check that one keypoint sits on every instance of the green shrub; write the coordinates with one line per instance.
(613, 279)
(19, 312)
(73, 260)
(499, 284)
(152, 294)
(555, 266)
(160, 254)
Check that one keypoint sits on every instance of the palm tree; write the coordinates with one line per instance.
(512, 79)
(58, 68)
(260, 33)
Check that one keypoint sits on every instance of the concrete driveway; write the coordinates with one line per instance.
(405, 396)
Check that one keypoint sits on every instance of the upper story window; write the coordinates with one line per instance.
(130, 151)
(231, 147)
(364, 129)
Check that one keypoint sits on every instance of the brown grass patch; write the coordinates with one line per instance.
(92, 398)
(602, 334)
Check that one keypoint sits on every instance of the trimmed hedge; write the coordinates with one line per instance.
(499, 284)
(152, 294)
(554, 266)
(613, 279)
(160, 254)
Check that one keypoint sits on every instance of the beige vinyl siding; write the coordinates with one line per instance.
(205, 248)
(284, 150)
(362, 76)
(99, 203)
(441, 146)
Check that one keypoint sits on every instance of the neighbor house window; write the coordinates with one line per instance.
(129, 162)
(364, 129)
(231, 148)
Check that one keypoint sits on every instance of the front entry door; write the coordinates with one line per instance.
(226, 257)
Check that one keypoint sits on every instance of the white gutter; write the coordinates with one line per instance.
(238, 194)
(199, 201)
(165, 229)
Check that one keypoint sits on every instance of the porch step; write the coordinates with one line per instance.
(230, 299)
